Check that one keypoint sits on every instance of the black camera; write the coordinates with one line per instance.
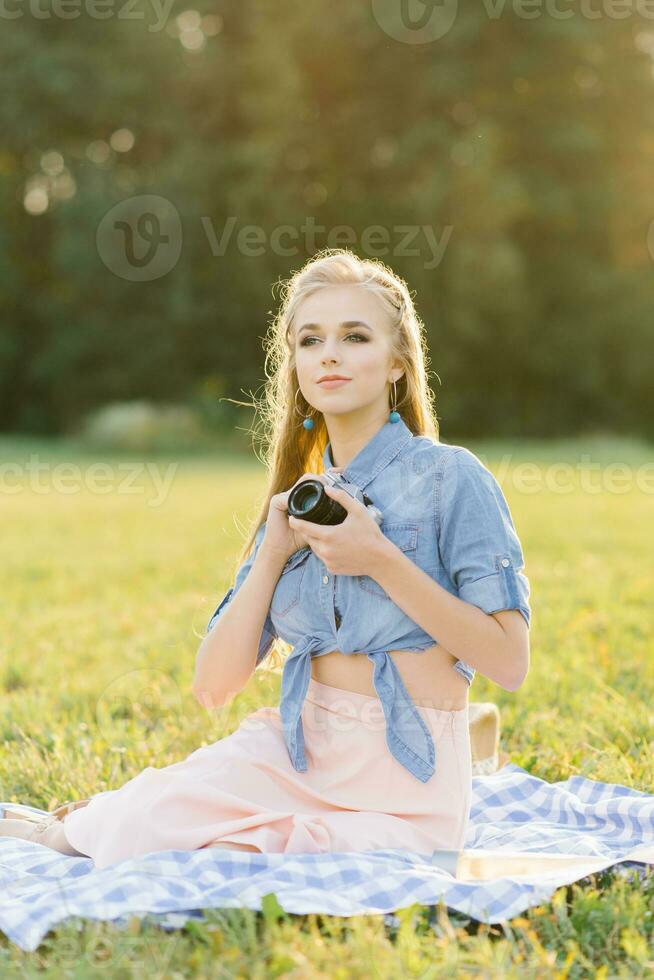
(309, 501)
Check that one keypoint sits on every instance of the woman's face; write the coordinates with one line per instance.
(344, 330)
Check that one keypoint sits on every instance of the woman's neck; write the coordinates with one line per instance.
(346, 441)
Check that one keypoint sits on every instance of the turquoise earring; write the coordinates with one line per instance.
(308, 423)
(394, 415)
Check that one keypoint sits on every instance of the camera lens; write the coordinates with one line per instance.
(306, 499)
(309, 501)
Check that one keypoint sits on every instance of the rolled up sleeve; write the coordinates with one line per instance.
(268, 634)
(479, 546)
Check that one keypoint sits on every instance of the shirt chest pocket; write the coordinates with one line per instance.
(403, 535)
(289, 585)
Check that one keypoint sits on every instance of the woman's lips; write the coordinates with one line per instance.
(334, 384)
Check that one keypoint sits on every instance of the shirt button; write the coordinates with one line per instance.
(505, 562)
(325, 579)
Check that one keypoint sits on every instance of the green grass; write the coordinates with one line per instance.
(105, 599)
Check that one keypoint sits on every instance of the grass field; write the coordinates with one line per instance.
(108, 580)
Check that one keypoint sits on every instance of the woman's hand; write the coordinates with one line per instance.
(350, 548)
(279, 536)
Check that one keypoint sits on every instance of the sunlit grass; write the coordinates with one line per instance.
(106, 595)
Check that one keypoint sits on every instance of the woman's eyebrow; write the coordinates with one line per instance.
(346, 325)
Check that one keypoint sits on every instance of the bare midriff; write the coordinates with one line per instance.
(428, 675)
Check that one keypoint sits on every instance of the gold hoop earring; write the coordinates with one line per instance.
(308, 422)
(394, 415)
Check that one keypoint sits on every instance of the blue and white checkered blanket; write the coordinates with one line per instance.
(510, 809)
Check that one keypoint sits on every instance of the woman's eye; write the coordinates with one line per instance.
(359, 336)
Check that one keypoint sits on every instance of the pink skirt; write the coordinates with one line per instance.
(243, 789)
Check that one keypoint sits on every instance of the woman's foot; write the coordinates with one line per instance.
(49, 831)
(484, 724)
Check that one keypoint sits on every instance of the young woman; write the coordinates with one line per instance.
(388, 613)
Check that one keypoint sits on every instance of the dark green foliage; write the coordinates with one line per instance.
(522, 144)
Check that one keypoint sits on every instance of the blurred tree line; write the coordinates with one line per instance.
(524, 146)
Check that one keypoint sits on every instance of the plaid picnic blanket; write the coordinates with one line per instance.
(511, 809)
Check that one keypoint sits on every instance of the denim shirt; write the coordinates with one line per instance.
(446, 512)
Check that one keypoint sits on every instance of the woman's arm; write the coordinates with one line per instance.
(487, 624)
(496, 644)
(227, 655)
(241, 631)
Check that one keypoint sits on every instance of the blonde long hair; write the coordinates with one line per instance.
(288, 449)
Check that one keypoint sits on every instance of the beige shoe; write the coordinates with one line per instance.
(484, 724)
(61, 811)
(25, 826)
(47, 830)
(11, 814)
(58, 813)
